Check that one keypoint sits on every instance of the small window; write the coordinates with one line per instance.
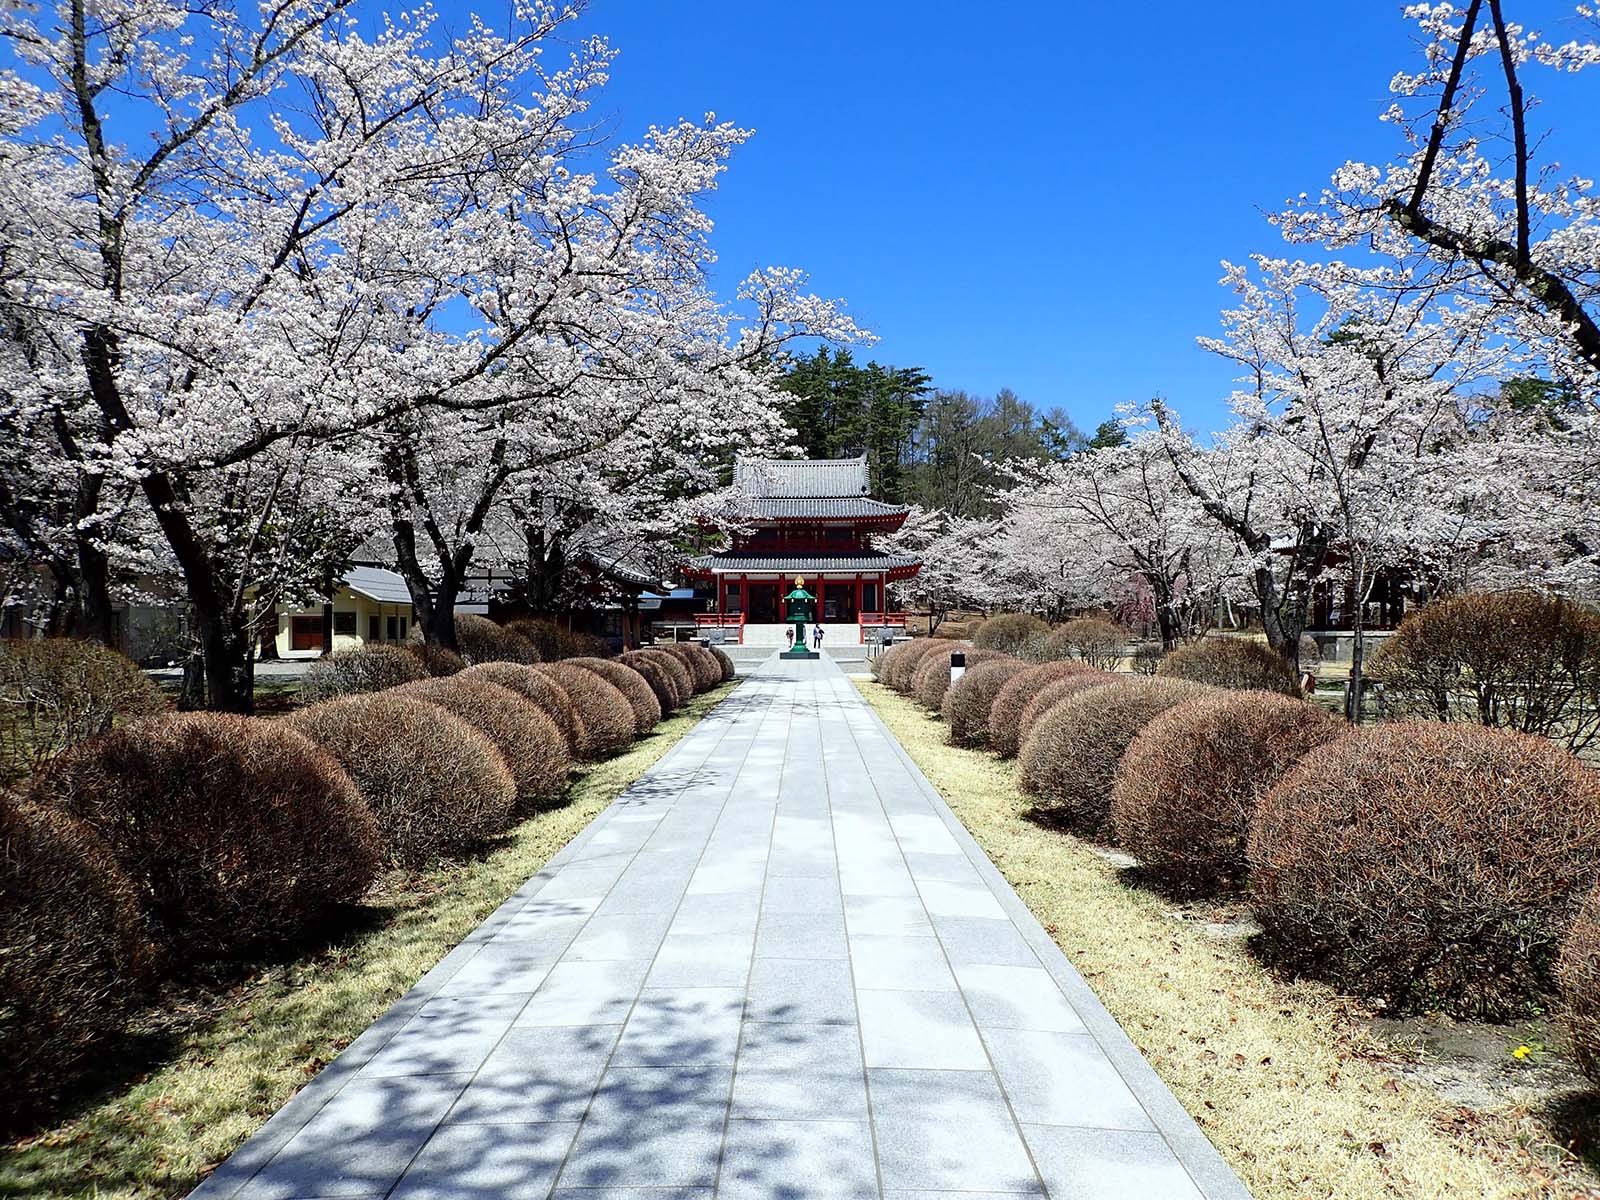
(393, 626)
(344, 623)
(402, 629)
(374, 629)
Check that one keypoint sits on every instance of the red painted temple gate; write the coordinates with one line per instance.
(813, 518)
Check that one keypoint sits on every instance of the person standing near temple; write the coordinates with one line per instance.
(816, 636)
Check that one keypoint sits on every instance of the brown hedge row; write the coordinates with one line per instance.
(1010, 633)
(970, 700)
(1070, 757)
(1232, 662)
(481, 640)
(434, 783)
(74, 954)
(237, 832)
(540, 691)
(1579, 975)
(531, 744)
(1428, 865)
(703, 668)
(932, 679)
(353, 672)
(633, 686)
(656, 676)
(1057, 691)
(1005, 715)
(606, 715)
(902, 668)
(677, 670)
(437, 661)
(1188, 786)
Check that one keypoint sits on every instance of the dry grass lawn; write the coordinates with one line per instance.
(1286, 1079)
(237, 1055)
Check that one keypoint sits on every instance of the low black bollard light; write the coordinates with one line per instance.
(958, 664)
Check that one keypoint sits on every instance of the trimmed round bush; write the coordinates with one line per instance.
(1009, 633)
(435, 784)
(481, 640)
(903, 669)
(238, 832)
(1579, 975)
(352, 672)
(607, 718)
(1015, 694)
(437, 661)
(1055, 692)
(554, 643)
(540, 691)
(1070, 756)
(932, 679)
(1189, 784)
(656, 675)
(677, 670)
(1146, 658)
(646, 708)
(533, 747)
(1098, 641)
(59, 691)
(729, 670)
(1427, 865)
(1232, 662)
(703, 668)
(1517, 660)
(73, 954)
(970, 700)
(881, 661)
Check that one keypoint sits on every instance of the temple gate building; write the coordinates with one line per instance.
(812, 518)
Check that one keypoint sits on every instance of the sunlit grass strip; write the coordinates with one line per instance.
(1282, 1077)
(271, 1034)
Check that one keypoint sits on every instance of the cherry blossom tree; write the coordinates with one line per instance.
(1356, 438)
(957, 555)
(288, 268)
(1469, 207)
(1114, 523)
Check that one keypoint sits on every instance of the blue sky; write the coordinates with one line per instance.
(1030, 195)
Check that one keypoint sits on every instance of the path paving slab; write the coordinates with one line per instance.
(776, 967)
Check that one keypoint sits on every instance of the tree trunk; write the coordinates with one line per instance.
(96, 618)
(1360, 589)
(192, 692)
(547, 565)
(225, 643)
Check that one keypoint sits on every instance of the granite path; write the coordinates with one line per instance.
(777, 967)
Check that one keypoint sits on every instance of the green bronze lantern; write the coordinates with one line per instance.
(802, 610)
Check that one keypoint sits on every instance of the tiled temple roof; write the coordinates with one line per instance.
(801, 478)
(866, 562)
(857, 508)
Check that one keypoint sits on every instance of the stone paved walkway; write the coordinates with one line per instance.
(776, 967)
